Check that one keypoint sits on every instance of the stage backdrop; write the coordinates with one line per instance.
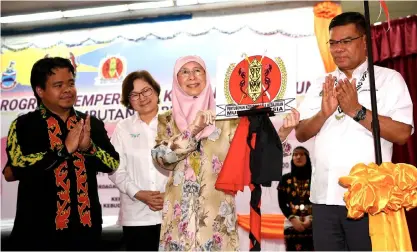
(104, 56)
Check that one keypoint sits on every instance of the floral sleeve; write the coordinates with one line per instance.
(170, 149)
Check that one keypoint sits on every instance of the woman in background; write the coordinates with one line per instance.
(140, 182)
(293, 198)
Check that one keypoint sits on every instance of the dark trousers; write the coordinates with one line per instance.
(142, 238)
(332, 230)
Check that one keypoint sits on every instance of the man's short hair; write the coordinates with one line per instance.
(42, 69)
(346, 18)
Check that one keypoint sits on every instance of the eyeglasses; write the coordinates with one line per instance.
(186, 73)
(135, 96)
(345, 41)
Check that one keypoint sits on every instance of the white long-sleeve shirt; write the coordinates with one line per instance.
(133, 139)
(341, 144)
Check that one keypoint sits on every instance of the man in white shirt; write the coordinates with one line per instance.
(337, 112)
(141, 184)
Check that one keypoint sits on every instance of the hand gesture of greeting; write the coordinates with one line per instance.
(329, 101)
(73, 138)
(85, 139)
(347, 97)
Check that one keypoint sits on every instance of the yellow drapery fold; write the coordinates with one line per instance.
(272, 225)
(383, 192)
(323, 14)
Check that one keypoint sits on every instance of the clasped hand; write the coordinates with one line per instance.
(299, 225)
(79, 136)
(154, 199)
(344, 94)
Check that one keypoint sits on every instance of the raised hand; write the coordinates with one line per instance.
(203, 119)
(347, 97)
(85, 139)
(329, 101)
(73, 138)
(290, 122)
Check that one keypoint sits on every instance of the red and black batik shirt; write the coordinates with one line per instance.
(57, 194)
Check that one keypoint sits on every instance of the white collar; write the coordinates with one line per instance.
(358, 71)
(136, 117)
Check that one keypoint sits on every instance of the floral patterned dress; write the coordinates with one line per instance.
(196, 216)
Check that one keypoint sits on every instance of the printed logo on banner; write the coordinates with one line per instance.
(71, 57)
(8, 77)
(256, 80)
(286, 149)
(112, 71)
(73, 61)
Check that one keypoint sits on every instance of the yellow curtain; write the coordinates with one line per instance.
(272, 225)
(323, 14)
(383, 192)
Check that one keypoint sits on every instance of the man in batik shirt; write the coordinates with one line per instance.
(55, 153)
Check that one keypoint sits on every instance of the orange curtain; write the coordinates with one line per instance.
(383, 192)
(323, 14)
(272, 225)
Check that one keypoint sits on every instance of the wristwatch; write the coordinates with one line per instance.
(360, 114)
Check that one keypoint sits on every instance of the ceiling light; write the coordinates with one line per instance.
(186, 2)
(151, 5)
(95, 11)
(215, 1)
(31, 17)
